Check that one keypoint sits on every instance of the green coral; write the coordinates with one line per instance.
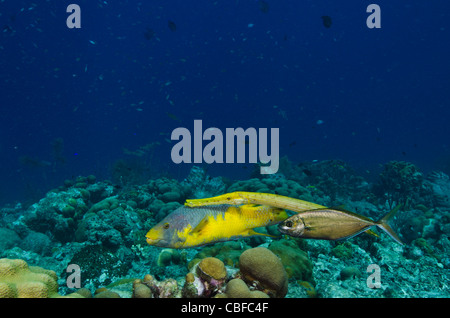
(170, 256)
(68, 211)
(350, 272)
(295, 260)
(343, 251)
(109, 204)
(168, 190)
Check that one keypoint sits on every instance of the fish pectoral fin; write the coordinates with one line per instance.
(200, 226)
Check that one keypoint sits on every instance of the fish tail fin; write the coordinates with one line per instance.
(383, 224)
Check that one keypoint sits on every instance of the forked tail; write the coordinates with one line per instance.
(383, 224)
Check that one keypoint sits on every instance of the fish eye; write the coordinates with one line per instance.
(166, 226)
(289, 224)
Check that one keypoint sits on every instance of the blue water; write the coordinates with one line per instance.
(73, 99)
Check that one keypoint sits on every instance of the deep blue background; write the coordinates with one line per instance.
(382, 94)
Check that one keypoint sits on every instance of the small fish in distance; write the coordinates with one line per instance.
(172, 26)
(326, 20)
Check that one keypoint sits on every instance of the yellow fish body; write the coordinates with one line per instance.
(190, 227)
(241, 197)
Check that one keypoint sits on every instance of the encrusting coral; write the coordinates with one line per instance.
(149, 287)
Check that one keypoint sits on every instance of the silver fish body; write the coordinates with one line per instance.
(333, 224)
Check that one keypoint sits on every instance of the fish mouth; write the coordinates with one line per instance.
(282, 228)
(156, 242)
(152, 241)
(284, 225)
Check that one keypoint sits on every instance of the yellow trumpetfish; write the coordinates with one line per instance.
(189, 227)
(241, 197)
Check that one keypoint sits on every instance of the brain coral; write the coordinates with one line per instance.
(262, 267)
(236, 288)
(18, 280)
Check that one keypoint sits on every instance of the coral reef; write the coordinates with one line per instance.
(8, 239)
(228, 252)
(99, 265)
(261, 267)
(439, 182)
(202, 185)
(212, 270)
(236, 288)
(168, 190)
(170, 256)
(113, 228)
(400, 182)
(18, 280)
(330, 182)
(342, 251)
(150, 287)
(295, 261)
(105, 293)
(350, 272)
(101, 227)
(206, 278)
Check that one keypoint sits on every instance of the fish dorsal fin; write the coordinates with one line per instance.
(341, 208)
